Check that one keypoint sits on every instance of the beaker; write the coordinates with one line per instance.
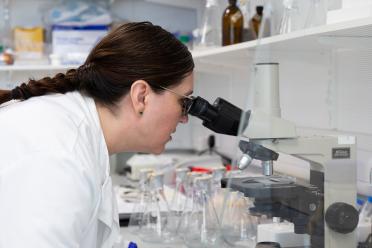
(143, 200)
(203, 225)
(290, 18)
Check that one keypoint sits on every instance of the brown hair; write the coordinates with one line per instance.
(130, 52)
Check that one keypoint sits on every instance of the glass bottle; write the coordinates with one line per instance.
(139, 207)
(203, 225)
(256, 20)
(209, 34)
(232, 24)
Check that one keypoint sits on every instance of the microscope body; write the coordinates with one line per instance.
(333, 173)
(324, 207)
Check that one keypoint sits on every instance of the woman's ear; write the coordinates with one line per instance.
(139, 92)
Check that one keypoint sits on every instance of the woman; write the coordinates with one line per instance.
(55, 188)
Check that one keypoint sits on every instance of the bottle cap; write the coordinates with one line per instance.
(132, 245)
(360, 202)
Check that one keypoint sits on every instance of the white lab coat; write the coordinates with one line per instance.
(55, 188)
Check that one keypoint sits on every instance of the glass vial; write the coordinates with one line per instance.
(232, 24)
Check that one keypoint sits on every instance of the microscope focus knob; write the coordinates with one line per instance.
(342, 217)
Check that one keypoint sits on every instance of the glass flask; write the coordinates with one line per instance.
(189, 193)
(317, 14)
(290, 18)
(154, 223)
(203, 225)
(178, 202)
(217, 174)
(143, 200)
(209, 34)
(239, 227)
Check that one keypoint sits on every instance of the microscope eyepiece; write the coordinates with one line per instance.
(221, 117)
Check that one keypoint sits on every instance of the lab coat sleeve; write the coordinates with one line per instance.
(45, 201)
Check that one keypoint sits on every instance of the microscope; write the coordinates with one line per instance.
(323, 206)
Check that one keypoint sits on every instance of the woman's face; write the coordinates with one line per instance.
(163, 113)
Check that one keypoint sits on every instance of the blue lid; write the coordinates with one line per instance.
(132, 245)
(360, 201)
(370, 199)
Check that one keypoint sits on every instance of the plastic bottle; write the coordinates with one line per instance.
(232, 24)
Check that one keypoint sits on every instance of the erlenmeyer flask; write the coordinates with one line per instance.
(178, 203)
(179, 196)
(189, 193)
(143, 200)
(203, 225)
(217, 174)
(317, 13)
(153, 226)
(241, 227)
(209, 34)
(290, 18)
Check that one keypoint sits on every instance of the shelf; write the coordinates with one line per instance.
(36, 67)
(356, 34)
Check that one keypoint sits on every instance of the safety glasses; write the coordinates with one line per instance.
(185, 101)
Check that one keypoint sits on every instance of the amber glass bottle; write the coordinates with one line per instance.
(255, 22)
(232, 24)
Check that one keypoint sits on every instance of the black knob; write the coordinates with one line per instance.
(342, 217)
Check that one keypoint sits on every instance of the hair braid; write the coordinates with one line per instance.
(60, 83)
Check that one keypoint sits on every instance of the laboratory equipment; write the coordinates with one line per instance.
(317, 14)
(178, 203)
(154, 225)
(209, 34)
(143, 200)
(322, 206)
(232, 24)
(202, 230)
(290, 20)
(255, 22)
